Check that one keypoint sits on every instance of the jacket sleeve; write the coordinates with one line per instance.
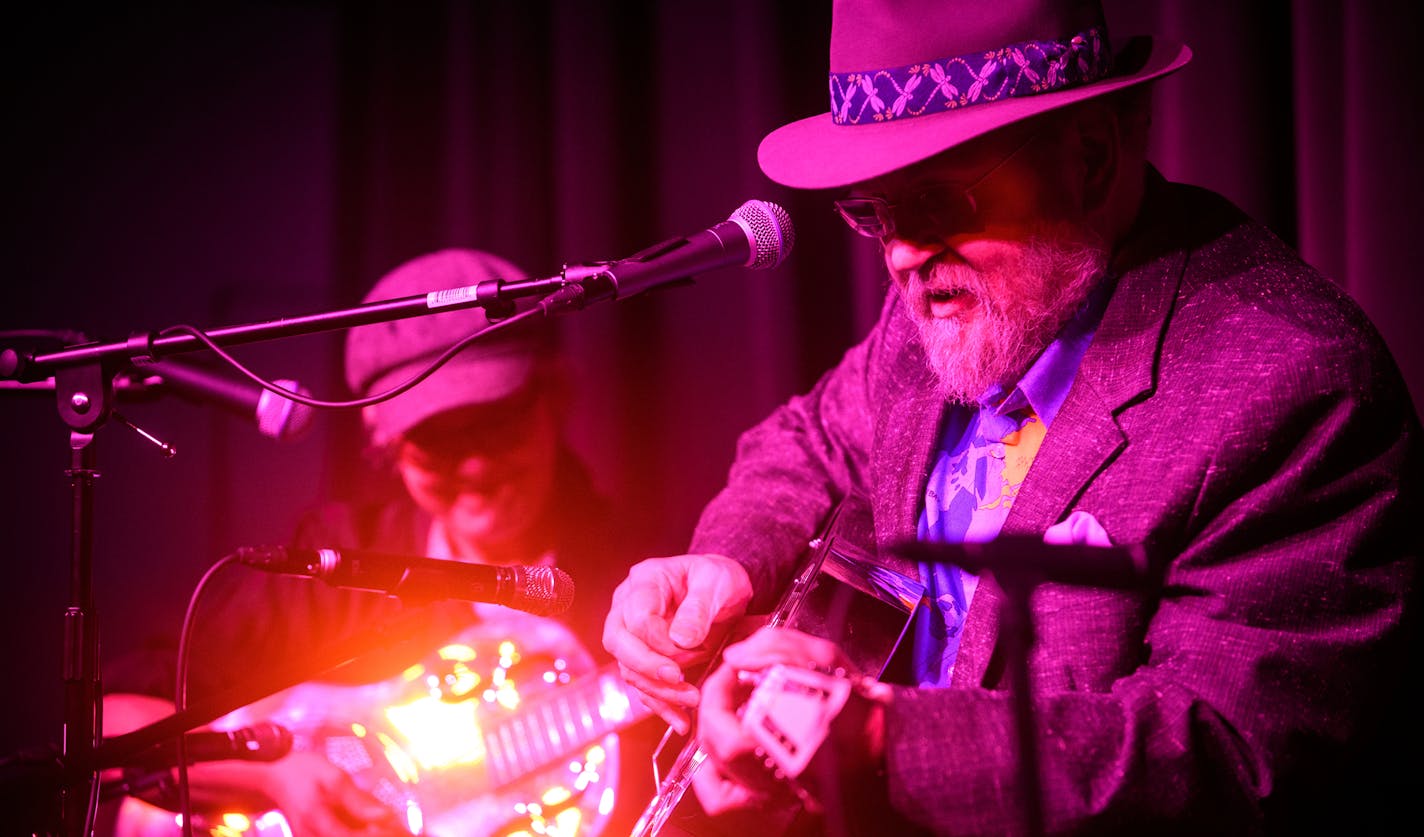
(793, 468)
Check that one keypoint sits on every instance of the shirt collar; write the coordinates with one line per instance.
(437, 545)
(1044, 387)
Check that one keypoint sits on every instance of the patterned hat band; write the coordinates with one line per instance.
(1022, 69)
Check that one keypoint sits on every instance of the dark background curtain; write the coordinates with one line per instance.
(217, 164)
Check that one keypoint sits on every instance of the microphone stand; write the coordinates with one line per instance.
(1017, 627)
(83, 706)
(84, 392)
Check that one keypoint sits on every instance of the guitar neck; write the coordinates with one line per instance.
(554, 725)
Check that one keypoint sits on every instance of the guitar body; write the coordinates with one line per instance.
(840, 593)
(508, 728)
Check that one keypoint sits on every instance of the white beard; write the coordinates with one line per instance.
(1021, 307)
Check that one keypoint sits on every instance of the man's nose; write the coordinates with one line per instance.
(474, 463)
(904, 254)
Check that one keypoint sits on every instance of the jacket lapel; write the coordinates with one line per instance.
(1118, 369)
(904, 445)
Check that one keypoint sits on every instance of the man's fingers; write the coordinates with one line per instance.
(674, 716)
(661, 618)
(731, 750)
(717, 590)
(671, 604)
(642, 613)
(718, 725)
(671, 703)
(718, 792)
(633, 652)
(358, 808)
(692, 622)
(769, 646)
(679, 694)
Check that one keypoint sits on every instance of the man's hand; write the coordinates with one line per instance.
(319, 798)
(734, 777)
(669, 614)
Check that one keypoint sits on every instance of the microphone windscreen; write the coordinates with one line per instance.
(770, 230)
(279, 417)
(543, 591)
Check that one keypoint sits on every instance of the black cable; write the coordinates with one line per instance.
(440, 361)
(180, 688)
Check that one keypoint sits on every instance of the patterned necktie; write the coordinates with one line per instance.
(1020, 447)
(970, 492)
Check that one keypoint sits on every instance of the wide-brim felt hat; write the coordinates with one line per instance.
(912, 78)
(384, 355)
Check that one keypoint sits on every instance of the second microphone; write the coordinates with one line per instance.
(544, 591)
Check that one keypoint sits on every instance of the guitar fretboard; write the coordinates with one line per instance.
(554, 725)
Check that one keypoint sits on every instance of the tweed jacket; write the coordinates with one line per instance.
(1238, 416)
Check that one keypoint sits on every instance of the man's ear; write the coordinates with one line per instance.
(1099, 137)
(368, 424)
(378, 452)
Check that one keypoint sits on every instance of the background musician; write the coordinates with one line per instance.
(483, 475)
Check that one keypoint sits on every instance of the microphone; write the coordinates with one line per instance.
(277, 417)
(543, 591)
(758, 235)
(266, 741)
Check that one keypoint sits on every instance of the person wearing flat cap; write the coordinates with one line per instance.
(1074, 353)
(484, 476)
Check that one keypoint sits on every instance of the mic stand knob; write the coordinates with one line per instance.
(168, 450)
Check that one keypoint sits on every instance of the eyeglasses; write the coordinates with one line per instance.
(936, 209)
